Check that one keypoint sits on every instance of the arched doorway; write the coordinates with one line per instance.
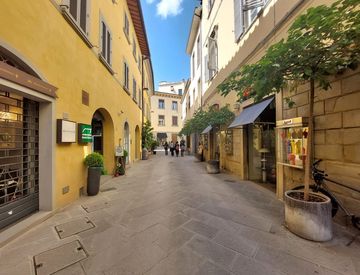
(137, 142)
(127, 141)
(103, 136)
(97, 132)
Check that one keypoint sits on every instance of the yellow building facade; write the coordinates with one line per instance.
(88, 64)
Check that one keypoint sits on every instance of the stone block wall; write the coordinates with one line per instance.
(337, 134)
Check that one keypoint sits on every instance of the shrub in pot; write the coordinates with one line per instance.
(95, 164)
(119, 170)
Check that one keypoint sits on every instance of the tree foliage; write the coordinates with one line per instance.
(323, 41)
(147, 135)
(202, 119)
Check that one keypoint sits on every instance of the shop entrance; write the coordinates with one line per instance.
(97, 132)
(127, 141)
(19, 157)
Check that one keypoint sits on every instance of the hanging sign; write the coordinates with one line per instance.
(84, 133)
(119, 152)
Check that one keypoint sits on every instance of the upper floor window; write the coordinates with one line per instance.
(140, 99)
(105, 41)
(198, 52)
(210, 6)
(126, 25)
(134, 89)
(174, 121)
(179, 91)
(193, 65)
(212, 54)
(78, 11)
(134, 48)
(245, 12)
(174, 106)
(161, 120)
(161, 104)
(126, 76)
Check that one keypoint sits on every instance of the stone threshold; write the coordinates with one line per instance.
(13, 231)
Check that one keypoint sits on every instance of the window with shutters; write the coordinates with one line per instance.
(140, 99)
(105, 42)
(210, 6)
(126, 76)
(126, 27)
(245, 13)
(161, 120)
(212, 54)
(77, 14)
(134, 48)
(134, 89)
(198, 52)
(193, 65)
(174, 106)
(174, 121)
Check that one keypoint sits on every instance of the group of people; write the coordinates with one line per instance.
(175, 148)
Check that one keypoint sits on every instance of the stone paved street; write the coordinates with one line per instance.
(168, 216)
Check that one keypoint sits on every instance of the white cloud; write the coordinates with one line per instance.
(169, 7)
(150, 1)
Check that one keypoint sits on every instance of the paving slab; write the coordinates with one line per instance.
(58, 258)
(216, 253)
(173, 240)
(182, 262)
(175, 221)
(75, 269)
(209, 268)
(73, 227)
(201, 228)
(97, 205)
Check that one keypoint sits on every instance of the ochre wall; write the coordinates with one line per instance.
(38, 31)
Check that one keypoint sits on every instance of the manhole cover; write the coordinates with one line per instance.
(58, 258)
(71, 228)
(91, 207)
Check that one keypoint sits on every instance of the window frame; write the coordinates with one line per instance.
(126, 76)
(161, 118)
(76, 23)
(107, 48)
(126, 27)
(163, 104)
(172, 106)
(172, 121)
(134, 87)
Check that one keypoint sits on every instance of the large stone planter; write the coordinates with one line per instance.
(309, 219)
(213, 167)
(93, 180)
(144, 154)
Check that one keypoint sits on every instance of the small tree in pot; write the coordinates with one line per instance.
(322, 42)
(95, 164)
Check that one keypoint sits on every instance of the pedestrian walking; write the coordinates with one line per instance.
(177, 148)
(201, 152)
(182, 147)
(166, 147)
(172, 148)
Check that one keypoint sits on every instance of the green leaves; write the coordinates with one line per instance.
(322, 42)
(147, 135)
(202, 119)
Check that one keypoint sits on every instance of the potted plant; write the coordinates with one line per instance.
(119, 170)
(320, 43)
(95, 163)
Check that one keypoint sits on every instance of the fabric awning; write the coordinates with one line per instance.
(251, 113)
(207, 130)
(161, 135)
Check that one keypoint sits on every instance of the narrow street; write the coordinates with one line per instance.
(168, 216)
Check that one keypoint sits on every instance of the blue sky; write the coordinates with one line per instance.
(167, 27)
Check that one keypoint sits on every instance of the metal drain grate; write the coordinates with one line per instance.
(58, 258)
(71, 228)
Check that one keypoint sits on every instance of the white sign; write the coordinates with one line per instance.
(119, 152)
(68, 133)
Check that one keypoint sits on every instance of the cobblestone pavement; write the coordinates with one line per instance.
(168, 216)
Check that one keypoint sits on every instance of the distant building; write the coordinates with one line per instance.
(166, 111)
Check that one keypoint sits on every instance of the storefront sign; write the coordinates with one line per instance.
(84, 133)
(66, 131)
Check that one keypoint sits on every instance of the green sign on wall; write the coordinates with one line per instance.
(84, 133)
